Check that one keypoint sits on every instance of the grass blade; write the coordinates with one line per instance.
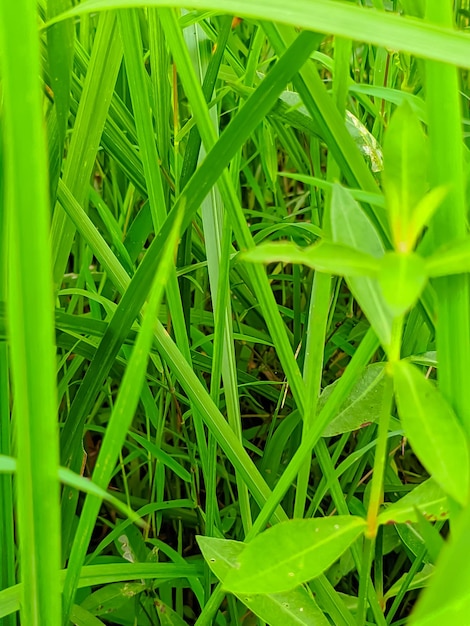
(30, 316)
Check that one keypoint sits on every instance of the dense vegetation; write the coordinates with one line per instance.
(235, 330)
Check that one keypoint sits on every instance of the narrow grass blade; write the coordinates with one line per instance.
(30, 316)
(89, 122)
(120, 420)
(60, 39)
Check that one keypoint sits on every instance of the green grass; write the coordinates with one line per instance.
(234, 312)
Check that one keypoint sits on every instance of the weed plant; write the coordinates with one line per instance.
(234, 304)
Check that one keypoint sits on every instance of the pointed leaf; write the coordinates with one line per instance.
(405, 173)
(450, 259)
(292, 552)
(325, 256)
(60, 44)
(167, 616)
(447, 600)
(295, 607)
(361, 406)
(433, 429)
(351, 227)
(420, 580)
(423, 212)
(427, 498)
(402, 278)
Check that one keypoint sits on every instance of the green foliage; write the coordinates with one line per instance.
(433, 429)
(231, 247)
(291, 553)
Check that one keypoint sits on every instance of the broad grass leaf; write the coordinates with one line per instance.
(402, 278)
(294, 607)
(453, 258)
(338, 18)
(327, 257)
(405, 174)
(290, 553)
(428, 498)
(361, 406)
(351, 227)
(433, 429)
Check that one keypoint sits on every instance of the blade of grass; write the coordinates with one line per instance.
(449, 222)
(30, 317)
(213, 218)
(60, 58)
(120, 420)
(338, 18)
(89, 122)
(7, 533)
(246, 121)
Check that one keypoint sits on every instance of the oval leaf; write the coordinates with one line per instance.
(292, 552)
(433, 429)
(363, 404)
(295, 607)
(427, 498)
(328, 257)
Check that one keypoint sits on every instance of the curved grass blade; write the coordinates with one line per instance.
(338, 18)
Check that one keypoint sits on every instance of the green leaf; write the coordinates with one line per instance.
(292, 552)
(167, 616)
(447, 599)
(424, 210)
(428, 498)
(7, 464)
(294, 607)
(453, 258)
(339, 18)
(162, 457)
(361, 406)
(82, 617)
(327, 257)
(402, 278)
(32, 364)
(433, 429)
(419, 581)
(60, 44)
(351, 227)
(405, 174)
(111, 599)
